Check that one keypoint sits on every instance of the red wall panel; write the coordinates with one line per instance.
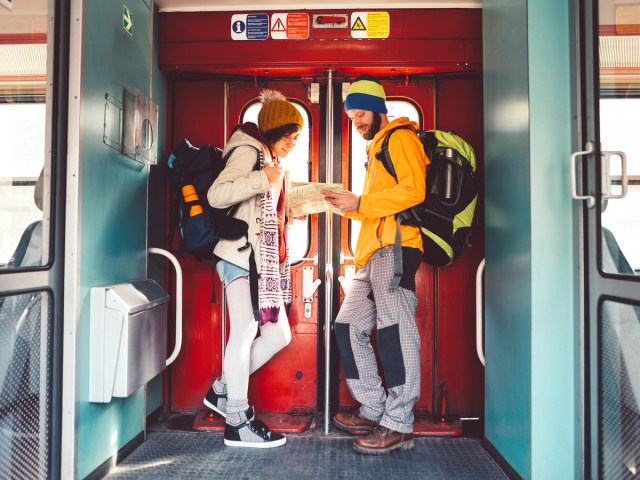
(459, 108)
(427, 40)
(197, 115)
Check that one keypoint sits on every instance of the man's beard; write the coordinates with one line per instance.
(373, 128)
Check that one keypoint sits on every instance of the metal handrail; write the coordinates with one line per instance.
(479, 309)
(176, 265)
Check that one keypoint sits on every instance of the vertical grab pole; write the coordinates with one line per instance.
(223, 300)
(328, 249)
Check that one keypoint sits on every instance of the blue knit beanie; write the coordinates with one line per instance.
(366, 93)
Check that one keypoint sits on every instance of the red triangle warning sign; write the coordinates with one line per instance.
(278, 26)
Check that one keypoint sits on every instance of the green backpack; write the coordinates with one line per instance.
(446, 215)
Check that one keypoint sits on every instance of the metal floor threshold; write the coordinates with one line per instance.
(179, 454)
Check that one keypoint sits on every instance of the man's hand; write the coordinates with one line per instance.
(343, 201)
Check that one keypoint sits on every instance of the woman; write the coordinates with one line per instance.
(260, 193)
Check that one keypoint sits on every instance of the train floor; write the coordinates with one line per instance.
(174, 450)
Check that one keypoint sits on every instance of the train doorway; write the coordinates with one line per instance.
(305, 378)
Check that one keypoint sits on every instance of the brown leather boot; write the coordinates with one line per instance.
(354, 423)
(382, 440)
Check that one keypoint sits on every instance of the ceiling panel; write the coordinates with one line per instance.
(252, 5)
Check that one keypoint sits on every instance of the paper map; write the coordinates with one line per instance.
(305, 198)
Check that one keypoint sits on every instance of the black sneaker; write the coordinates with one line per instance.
(252, 434)
(216, 401)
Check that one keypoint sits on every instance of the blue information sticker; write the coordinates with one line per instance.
(257, 26)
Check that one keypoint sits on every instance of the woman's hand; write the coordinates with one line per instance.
(274, 173)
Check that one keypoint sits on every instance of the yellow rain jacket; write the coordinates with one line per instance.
(383, 197)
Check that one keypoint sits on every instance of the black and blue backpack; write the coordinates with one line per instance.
(192, 171)
(446, 215)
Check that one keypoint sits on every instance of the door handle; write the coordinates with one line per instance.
(346, 279)
(591, 200)
(606, 174)
(309, 285)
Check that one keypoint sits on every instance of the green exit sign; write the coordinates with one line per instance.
(127, 20)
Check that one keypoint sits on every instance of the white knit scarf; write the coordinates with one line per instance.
(274, 282)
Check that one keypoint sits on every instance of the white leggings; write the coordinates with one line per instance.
(245, 353)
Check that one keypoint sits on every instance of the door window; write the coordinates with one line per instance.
(22, 135)
(619, 120)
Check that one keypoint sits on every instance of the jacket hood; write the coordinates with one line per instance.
(398, 122)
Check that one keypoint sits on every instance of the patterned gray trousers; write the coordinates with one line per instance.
(371, 303)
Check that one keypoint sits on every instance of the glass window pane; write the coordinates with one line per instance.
(297, 164)
(619, 116)
(358, 145)
(22, 128)
(23, 131)
(25, 385)
(619, 388)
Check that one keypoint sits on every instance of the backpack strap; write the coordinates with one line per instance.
(253, 280)
(401, 217)
(253, 269)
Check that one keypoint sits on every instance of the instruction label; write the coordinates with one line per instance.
(290, 26)
(252, 26)
(369, 25)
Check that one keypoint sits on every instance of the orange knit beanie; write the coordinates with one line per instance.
(277, 111)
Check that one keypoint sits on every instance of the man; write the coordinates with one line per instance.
(374, 300)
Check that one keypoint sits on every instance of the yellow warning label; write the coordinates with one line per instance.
(370, 25)
(358, 24)
(378, 24)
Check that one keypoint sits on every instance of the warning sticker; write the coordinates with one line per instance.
(290, 26)
(252, 26)
(369, 25)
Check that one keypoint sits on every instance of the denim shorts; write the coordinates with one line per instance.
(228, 272)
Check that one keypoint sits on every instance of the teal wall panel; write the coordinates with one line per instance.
(113, 209)
(531, 280)
(508, 232)
(554, 340)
